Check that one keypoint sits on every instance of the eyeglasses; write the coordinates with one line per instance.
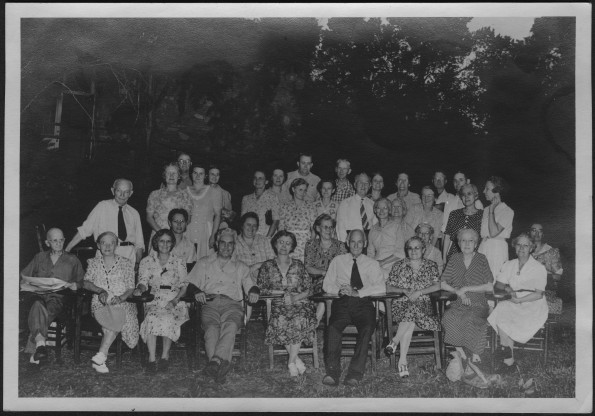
(326, 227)
(184, 161)
(57, 241)
(523, 245)
(179, 222)
(413, 248)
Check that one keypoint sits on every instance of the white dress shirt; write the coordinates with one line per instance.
(349, 217)
(339, 273)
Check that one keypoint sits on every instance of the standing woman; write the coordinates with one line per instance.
(163, 200)
(165, 314)
(467, 217)
(297, 216)
(386, 242)
(326, 189)
(111, 278)
(292, 319)
(205, 214)
(377, 186)
(427, 213)
(496, 224)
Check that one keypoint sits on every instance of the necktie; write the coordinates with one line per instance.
(121, 226)
(362, 212)
(356, 279)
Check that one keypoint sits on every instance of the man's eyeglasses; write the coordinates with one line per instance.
(57, 241)
(179, 222)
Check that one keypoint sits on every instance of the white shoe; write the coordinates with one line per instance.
(293, 371)
(99, 358)
(301, 367)
(101, 368)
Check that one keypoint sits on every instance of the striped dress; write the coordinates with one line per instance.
(465, 326)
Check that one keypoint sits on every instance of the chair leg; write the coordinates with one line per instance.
(58, 340)
(244, 345)
(119, 351)
(437, 354)
(546, 339)
(315, 350)
(271, 357)
(373, 355)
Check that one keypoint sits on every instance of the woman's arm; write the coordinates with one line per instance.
(390, 259)
(417, 293)
(493, 227)
(393, 289)
(314, 270)
(216, 222)
(486, 287)
(532, 297)
(446, 247)
(151, 221)
(502, 287)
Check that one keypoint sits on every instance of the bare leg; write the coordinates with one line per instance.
(151, 346)
(506, 341)
(319, 311)
(166, 347)
(405, 340)
(107, 340)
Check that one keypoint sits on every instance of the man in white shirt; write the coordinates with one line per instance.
(352, 276)
(304, 165)
(350, 214)
(117, 216)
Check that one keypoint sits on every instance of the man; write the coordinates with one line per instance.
(357, 211)
(352, 276)
(454, 201)
(277, 180)
(222, 276)
(344, 188)
(410, 198)
(442, 197)
(261, 202)
(56, 264)
(226, 211)
(185, 164)
(117, 216)
(304, 165)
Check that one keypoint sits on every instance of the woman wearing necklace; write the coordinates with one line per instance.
(166, 275)
(319, 253)
(205, 214)
(415, 277)
(519, 318)
(292, 319)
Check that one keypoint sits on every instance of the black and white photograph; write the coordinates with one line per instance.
(277, 207)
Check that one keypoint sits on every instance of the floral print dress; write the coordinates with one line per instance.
(320, 258)
(117, 280)
(165, 283)
(297, 219)
(160, 202)
(419, 311)
(288, 324)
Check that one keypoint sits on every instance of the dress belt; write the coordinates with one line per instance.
(126, 243)
(164, 287)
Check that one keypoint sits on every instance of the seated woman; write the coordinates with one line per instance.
(111, 278)
(426, 232)
(386, 242)
(166, 274)
(519, 318)
(468, 275)
(399, 214)
(292, 319)
(415, 277)
(319, 253)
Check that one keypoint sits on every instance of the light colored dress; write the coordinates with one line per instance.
(496, 249)
(521, 320)
(203, 211)
(418, 215)
(117, 280)
(161, 202)
(160, 321)
(390, 239)
(297, 219)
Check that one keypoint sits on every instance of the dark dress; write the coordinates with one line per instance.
(457, 220)
(419, 311)
(465, 326)
(288, 324)
(317, 257)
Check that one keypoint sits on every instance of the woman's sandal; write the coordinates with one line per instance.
(403, 371)
(390, 349)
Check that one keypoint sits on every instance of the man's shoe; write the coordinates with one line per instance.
(222, 371)
(211, 369)
(329, 381)
(41, 353)
(351, 381)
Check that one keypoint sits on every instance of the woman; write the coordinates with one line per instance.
(546, 255)
(519, 318)
(319, 252)
(252, 248)
(425, 232)
(386, 241)
(205, 214)
(292, 319)
(297, 216)
(168, 197)
(399, 214)
(427, 213)
(326, 189)
(496, 224)
(111, 278)
(178, 223)
(468, 275)
(377, 186)
(467, 217)
(166, 275)
(414, 277)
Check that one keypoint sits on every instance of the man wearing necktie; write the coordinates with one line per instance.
(353, 277)
(357, 211)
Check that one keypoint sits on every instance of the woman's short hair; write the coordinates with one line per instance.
(296, 182)
(468, 230)
(427, 187)
(402, 204)
(388, 203)
(469, 185)
(175, 211)
(198, 165)
(424, 224)
(319, 219)
(319, 186)
(412, 239)
(247, 215)
(283, 233)
(515, 240)
(105, 233)
(161, 233)
(171, 165)
(500, 186)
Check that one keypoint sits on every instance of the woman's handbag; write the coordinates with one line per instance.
(111, 317)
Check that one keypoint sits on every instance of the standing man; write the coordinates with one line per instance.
(410, 198)
(304, 165)
(222, 278)
(454, 201)
(352, 276)
(117, 216)
(56, 264)
(344, 188)
(442, 197)
(226, 210)
(264, 203)
(185, 165)
(357, 211)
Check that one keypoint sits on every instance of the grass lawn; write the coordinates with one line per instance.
(555, 380)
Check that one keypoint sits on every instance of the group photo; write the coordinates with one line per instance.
(207, 204)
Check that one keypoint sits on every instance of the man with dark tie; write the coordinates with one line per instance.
(352, 276)
(117, 216)
(357, 211)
